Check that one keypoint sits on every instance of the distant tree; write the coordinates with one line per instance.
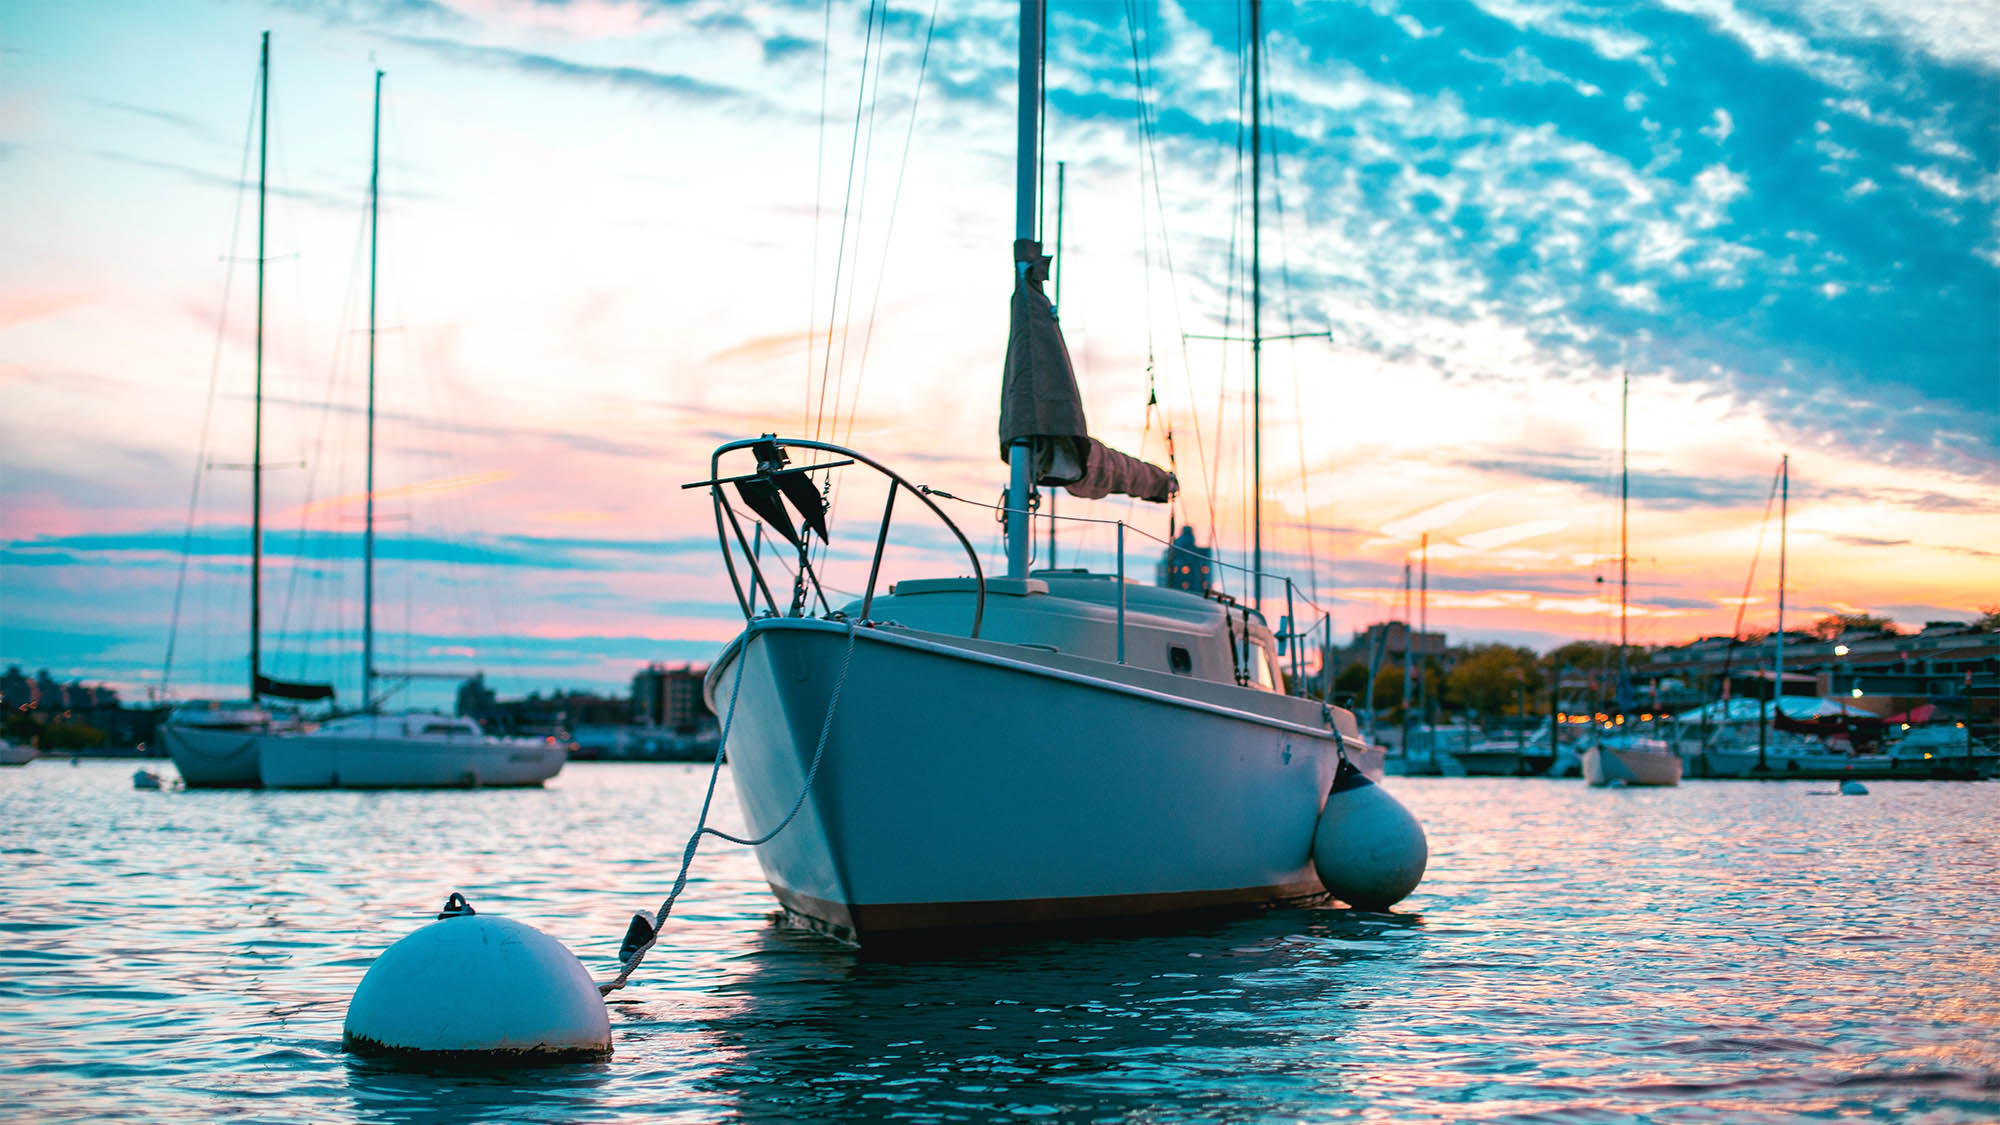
(1388, 687)
(1593, 655)
(1491, 680)
(1836, 625)
(1988, 620)
(1352, 683)
(71, 736)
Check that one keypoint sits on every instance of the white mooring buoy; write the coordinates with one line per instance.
(474, 989)
(1853, 789)
(1369, 851)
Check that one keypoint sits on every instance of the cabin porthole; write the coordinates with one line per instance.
(1179, 661)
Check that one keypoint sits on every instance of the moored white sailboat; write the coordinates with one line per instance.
(1625, 758)
(214, 744)
(1050, 748)
(373, 750)
(246, 744)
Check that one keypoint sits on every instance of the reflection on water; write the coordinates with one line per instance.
(1725, 950)
(1100, 1027)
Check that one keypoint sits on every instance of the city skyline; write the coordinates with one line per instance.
(610, 240)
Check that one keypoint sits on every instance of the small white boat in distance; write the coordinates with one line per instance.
(15, 754)
(1632, 760)
(410, 751)
(405, 751)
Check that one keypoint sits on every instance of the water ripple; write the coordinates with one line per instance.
(1723, 951)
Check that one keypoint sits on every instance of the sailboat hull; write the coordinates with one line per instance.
(324, 762)
(213, 757)
(1603, 765)
(961, 786)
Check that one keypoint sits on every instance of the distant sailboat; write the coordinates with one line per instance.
(213, 744)
(373, 750)
(1625, 758)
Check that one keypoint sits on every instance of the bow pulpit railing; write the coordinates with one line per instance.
(783, 497)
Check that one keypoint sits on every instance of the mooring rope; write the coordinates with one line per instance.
(638, 953)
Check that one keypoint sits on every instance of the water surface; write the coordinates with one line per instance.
(1724, 951)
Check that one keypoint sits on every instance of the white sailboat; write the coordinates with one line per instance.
(245, 743)
(214, 744)
(372, 750)
(1050, 748)
(1627, 758)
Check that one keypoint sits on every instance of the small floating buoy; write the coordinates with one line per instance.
(145, 779)
(1853, 789)
(1369, 851)
(471, 988)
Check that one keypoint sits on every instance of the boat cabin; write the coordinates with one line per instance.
(1075, 612)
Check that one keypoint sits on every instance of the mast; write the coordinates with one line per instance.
(1051, 564)
(1424, 626)
(368, 531)
(1784, 511)
(257, 424)
(1409, 642)
(1030, 97)
(1624, 491)
(1256, 304)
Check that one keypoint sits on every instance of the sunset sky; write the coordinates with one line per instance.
(618, 232)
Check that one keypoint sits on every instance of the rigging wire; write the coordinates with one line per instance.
(888, 236)
(846, 211)
(860, 211)
(819, 210)
(1149, 159)
(1291, 329)
(299, 553)
(1736, 631)
(208, 407)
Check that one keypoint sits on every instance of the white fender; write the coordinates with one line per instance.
(1369, 851)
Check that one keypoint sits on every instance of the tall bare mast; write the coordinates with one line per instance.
(1424, 626)
(1624, 492)
(1409, 646)
(1784, 513)
(1257, 304)
(368, 530)
(257, 424)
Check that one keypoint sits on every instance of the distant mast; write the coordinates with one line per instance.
(1784, 511)
(1409, 642)
(257, 423)
(1624, 493)
(368, 529)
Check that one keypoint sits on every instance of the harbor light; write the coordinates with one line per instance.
(1840, 650)
(1856, 693)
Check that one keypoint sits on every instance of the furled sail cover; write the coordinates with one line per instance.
(284, 689)
(1039, 403)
